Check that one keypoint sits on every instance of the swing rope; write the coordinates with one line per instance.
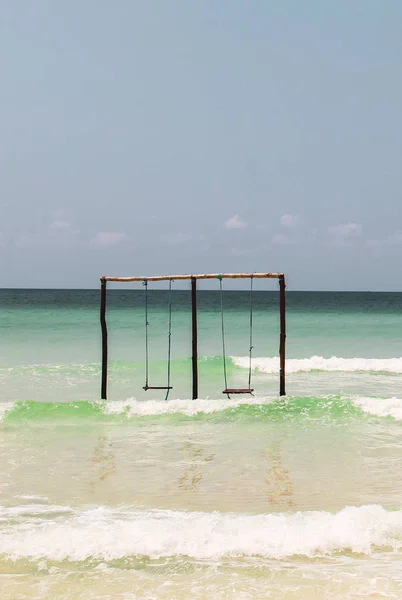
(251, 331)
(145, 284)
(168, 386)
(227, 390)
(223, 335)
(169, 338)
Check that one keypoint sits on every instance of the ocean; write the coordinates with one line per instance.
(262, 496)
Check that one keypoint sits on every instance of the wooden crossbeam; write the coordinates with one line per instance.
(202, 276)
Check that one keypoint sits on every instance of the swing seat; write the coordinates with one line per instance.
(238, 391)
(157, 387)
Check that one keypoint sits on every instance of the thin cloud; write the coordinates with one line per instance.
(60, 226)
(288, 220)
(393, 240)
(28, 241)
(105, 239)
(346, 229)
(248, 251)
(282, 239)
(176, 238)
(313, 235)
(235, 222)
(344, 233)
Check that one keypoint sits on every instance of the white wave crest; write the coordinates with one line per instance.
(107, 534)
(389, 407)
(381, 407)
(318, 363)
(5, 407)
(143, 408)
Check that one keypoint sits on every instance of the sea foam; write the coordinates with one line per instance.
(389, 407)
(267, 407)
(107, 534)
(318, 363)
(143, 408)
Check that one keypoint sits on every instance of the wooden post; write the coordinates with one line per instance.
(104, 338)
(282, 344)
(195, 336)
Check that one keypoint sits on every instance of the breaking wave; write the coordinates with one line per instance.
(58, 533)
(318, 363)
(270, 408)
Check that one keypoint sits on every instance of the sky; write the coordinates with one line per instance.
(145, 137)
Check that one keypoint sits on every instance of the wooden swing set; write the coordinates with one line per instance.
(193, 278)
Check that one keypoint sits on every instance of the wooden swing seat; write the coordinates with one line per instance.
(238, 391)
(157, 387)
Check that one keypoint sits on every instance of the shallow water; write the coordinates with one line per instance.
(248, 497)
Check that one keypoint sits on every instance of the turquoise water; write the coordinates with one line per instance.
(249, 497)
(52, 338)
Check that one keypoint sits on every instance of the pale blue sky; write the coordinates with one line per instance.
(169, 136)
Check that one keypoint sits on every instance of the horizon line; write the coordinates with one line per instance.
(93, 289)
